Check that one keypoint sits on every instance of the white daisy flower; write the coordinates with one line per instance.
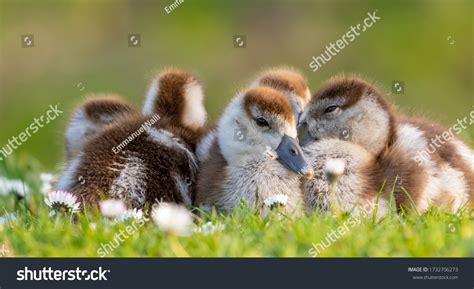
(47, 180)
(130, 214)
(172, 218)
(112, 208)
(334, 168)
(209, 228)
(62, 201)
(276, 200)
(16, 186)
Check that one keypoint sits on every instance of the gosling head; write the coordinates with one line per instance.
(92, 115)
(257, 121)
(351, 109)
(291, 83)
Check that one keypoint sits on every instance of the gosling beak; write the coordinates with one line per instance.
(303, 134)
(292, 157)
(308, 173)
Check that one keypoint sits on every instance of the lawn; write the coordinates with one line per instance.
(243, 234)
(81, 47)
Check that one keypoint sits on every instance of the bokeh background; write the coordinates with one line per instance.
(81, 47)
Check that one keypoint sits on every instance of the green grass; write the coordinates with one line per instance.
(246, 234)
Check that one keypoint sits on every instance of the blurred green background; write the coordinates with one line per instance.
(81, 47)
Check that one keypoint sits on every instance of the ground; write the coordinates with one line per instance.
(243, 233)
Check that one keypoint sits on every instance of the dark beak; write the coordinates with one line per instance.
(303, 134)
(291, 156)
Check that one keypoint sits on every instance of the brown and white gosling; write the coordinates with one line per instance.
(144, 159)
(348, 118)
(254, 156)
(288, 81)
(97, 112)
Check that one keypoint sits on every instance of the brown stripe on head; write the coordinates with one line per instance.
(353, 89)
(105, 108)
(286, 79)
(269, 100)
(93, 115)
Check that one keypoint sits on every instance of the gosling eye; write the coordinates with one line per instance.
(261, 122)
(332, 109)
